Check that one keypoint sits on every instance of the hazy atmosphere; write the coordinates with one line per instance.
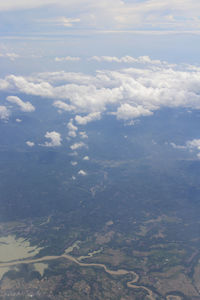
(100, 150)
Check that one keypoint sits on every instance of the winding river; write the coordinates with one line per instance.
(130, 284)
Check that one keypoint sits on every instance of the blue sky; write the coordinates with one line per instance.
(167, 30)
(48, 16)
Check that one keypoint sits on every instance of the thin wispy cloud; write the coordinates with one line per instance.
(60, 21)
(11, 56)
(67, 58)
(110, 14)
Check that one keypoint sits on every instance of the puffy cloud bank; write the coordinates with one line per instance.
(127, 93)
(127, 112)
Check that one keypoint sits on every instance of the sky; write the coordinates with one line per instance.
(127, 59)
(34, 31)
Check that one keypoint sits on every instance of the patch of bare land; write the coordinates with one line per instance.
(196, 276)
(172, 297)
(104, 238)
(174, 279)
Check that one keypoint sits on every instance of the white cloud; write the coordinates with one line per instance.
(55, 138)
(24, 106)
(71, 126)
(127, 93)
(177, 146)
(30, 144)
(86, 158)
(67, 58)
(82, 172)
(27, 86)
(127, 112)
(89, 118)
(194, 144)
(189, 145)
(61, 76)
(74, 163)
(4, 84)
(18, 120)
(72, 129)
(4, 113)
(63, 106)
(60, 21)
(11, 56)
(72, 134)
(83, 135)
(127, 59)
(78, 146)
(115, 14)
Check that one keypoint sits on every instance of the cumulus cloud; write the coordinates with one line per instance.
(63, 106)
(72, 128)
(86, 158)
(67, 58)
(189, 145)
(18, 120)
(72, 134)
(83, 135)
(4, 113)
(27, 86)
(78, 146)
(4, 84)
(82, 172)
(127, 93)
(127, 112)
(59, 77)
(30, 144)
(24, 106)
(89, 118)
(74, 163)
(55, 138)
(194, 144)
